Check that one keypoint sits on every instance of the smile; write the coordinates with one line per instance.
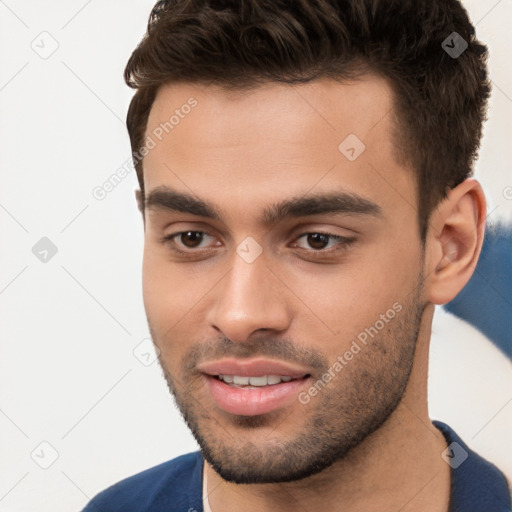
(250, 396)
(261, 381)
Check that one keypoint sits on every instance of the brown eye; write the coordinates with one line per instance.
(323, 242)
(191, 239)
(317, 240)
(186, 241)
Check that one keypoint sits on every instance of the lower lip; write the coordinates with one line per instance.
(253, 401)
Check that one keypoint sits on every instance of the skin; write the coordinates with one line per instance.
(369, 427)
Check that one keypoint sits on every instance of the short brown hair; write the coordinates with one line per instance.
(440, 100)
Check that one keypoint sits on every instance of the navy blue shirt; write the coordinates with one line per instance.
(176, 485)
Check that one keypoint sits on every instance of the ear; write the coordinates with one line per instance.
(454, 241)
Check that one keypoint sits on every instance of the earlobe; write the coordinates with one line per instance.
(455, 240)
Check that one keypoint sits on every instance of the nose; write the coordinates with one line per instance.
(249, 298)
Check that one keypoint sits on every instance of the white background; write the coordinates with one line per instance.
(68, 374)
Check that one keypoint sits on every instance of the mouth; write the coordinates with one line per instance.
(249, 388)
(241, 381)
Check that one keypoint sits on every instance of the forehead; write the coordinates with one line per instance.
(276, 140)
(295, 112)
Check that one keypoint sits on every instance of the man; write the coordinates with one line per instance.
(304, 171)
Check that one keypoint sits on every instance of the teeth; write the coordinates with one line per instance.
(260, 381)
(273, 379)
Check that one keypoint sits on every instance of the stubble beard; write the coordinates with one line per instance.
(356, 403)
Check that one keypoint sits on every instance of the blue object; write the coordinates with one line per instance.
(486, 300)
(176, 485)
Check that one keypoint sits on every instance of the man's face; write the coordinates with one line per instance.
(258, 284)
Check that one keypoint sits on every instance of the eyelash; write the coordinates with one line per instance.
(344, 242)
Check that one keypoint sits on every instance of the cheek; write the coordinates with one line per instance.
(163, 294)
(167, 287)
(154, 288)
(174, 299)
(343, 301)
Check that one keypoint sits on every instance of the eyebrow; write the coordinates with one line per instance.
(163, 198)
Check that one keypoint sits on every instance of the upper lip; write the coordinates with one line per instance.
(252, 368)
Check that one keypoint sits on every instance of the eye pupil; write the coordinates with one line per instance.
(194, 236)
(316, 239)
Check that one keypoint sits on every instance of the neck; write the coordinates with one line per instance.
(398, 467)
